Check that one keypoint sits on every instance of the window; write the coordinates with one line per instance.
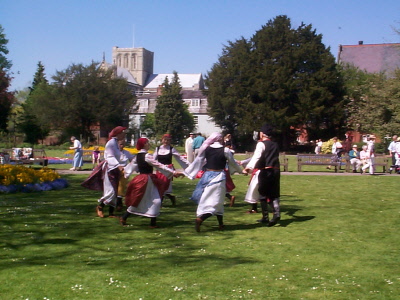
(195, 102)
(144, 103)
(196, 120)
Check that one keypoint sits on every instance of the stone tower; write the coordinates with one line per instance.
(138, 61)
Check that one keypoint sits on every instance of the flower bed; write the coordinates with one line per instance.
(22, 179)
(89, 151)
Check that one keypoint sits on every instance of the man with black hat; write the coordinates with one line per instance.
(266, 159)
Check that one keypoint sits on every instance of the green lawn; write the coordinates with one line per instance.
(337, 239)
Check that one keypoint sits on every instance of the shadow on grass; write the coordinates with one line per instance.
(59, 227)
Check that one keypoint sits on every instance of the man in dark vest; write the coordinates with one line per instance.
(266, 159)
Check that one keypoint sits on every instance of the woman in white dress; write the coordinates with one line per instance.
(210, 191)
(144, 191)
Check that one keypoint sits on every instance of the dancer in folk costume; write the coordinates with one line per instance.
(144, 191)
(252, 195)
(230, 186)
(105, 177)
(164, 154)
(126, 161)
(210, 191)
(266, 159)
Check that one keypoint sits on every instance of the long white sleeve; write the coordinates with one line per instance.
(260, 147)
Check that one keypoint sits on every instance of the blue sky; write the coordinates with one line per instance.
(185, 35)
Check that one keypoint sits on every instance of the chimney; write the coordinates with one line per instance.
(159, 90)
(360, 42)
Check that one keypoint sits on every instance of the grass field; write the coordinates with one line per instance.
(338, 239)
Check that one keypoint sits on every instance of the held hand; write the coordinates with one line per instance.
(179, 174)
(245, 172)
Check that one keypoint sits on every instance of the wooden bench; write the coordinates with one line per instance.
(383, 161)
(324, 160)
(37, 156)
(283, 160)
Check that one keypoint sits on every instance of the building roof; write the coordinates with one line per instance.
(187, 81)
(121, 72)
(373, 58)
(186, 94)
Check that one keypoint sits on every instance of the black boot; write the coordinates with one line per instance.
(122, 220)
(172, 198)
(277, 212)
(264, 211)
(119, 203)
(111, 212)
(220, 219)
(153, 223)
(253, 209)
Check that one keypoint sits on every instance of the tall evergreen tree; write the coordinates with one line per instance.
(6, 97)
(171, 113)
(39, 77)
(282, 76)
(34, 122)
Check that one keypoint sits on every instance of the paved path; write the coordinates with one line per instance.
(322, 173)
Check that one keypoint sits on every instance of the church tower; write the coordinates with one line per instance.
(138, 61)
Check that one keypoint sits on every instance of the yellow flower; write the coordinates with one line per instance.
(10, 174)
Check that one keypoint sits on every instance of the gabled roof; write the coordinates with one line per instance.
(373, 58)
(187, 81)
(121, 72)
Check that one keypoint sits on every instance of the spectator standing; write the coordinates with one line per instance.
(78, 154)
(364, 157)
(197, 142)
(318, 146)
(397, 155)
(189, 148)
(337, 151)
(96, 157)
(392, 150)
(371, 153)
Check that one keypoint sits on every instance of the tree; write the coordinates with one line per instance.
(6, 97)
(5, 64)
(39, 77)
(147, 126)
(33, 122)
(283, 76)
(85, 96)
(171, 113)
(374, 101)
